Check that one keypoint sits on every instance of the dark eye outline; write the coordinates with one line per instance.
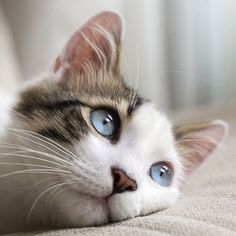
(164, 163)
(117, 121)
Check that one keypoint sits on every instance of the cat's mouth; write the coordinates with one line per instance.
(104, 203)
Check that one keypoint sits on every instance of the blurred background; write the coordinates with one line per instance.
(180, 53)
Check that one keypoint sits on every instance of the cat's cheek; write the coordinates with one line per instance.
(124, 206)
(79, 210)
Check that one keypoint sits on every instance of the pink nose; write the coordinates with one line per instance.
(122, 182)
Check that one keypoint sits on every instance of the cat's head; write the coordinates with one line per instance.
(112, 153)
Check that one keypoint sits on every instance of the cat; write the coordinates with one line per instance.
(82, 148)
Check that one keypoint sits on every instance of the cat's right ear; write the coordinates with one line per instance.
(96, 46)
(196, 142)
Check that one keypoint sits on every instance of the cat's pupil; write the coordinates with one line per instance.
(107, 120)
(164, 170)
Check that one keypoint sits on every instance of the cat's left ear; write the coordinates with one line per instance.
(96, 46)
(196, 142)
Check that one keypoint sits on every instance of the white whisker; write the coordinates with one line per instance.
(43, 193)
(17, 154)
(43, 180)
(35, 171)
(32, 165)
(46, 141)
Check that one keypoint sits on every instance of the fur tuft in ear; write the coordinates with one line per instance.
(96, 46)
(196, 142)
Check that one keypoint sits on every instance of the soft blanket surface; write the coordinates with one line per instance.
(207, 205)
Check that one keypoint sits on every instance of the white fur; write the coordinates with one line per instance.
(146, 139)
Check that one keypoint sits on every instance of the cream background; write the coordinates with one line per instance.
(184, 50)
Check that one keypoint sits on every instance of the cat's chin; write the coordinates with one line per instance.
(96, 215)
(113, 208)
(101, 210)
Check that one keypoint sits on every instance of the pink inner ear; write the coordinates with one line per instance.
(200, 144)
(96, 44)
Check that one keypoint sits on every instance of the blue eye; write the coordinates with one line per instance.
(161, 173)
(106, 122)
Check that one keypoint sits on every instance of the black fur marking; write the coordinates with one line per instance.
(138, 101)
(55, 135)
(52, 106)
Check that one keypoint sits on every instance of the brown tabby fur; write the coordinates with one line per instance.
(62, 112)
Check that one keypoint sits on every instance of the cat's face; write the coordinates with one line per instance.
(112, 162)
(118, 153)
